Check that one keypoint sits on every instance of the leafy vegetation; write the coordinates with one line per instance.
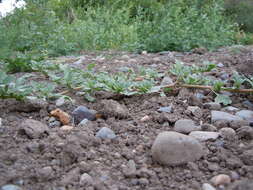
(43, 27)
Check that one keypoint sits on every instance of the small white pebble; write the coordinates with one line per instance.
(221, 179)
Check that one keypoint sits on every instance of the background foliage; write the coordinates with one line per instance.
(60, 27)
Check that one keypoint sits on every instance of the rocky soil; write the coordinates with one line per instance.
(182, 141)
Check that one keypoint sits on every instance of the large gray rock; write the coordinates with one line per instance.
(223, 116)
(186, 126)
(172, 148)
(245, 114)
(33, 129)
(204, 135)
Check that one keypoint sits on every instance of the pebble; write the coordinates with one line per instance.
(61, 115)
(166, 81)
(220, 65)
(81, 113)
(200, 95)
(245, 114)
(207, 186)
(67, 128)
(224, 76)
(172, 148)
(52, 122)
(204, 135)
(11, 187)
(219, 115)
(230, 108)
(227, 133)
(60, 101)
(86, 180)
(33, 129)
(130, 169)
(234, 175)
(212, 106)
(143, 181)
(195, 110)
(245, 132)
(46, 172)
(248, 104)
(0, 122)
(111, 108)
(185, 126)
(221, 179)
(167, 109)
(83, 123)
(106, 133)
(208, 127)
(145, 118)
(125, 57)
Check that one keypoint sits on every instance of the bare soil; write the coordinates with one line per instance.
(69, 154)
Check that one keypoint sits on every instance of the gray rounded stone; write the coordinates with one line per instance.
(186, 126)
(81, 112)
(86, 180)
(227, 133)
(172, 148)
(245, 114)
(106, 133)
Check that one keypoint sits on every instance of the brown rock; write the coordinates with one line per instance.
(61, 115)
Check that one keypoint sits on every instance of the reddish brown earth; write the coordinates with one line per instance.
(57, 159)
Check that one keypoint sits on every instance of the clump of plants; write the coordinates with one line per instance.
(192, 77)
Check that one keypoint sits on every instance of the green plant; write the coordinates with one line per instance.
(11, 87)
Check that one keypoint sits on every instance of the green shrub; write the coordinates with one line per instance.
(180, 26)
(242, 11)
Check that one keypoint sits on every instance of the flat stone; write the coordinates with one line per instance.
(81, 113)
(10, 187)
(230, 108)
(172, 148)
(33, 129)
(186, 126)
(245, 114)
(106, 133)
(223, 116)
(204, 135)
(212, 106)
(167, 109)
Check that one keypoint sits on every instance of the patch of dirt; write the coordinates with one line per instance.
(57, 160)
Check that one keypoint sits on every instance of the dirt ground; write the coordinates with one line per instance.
(57, 159)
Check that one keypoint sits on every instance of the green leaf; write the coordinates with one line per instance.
(223, 99)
